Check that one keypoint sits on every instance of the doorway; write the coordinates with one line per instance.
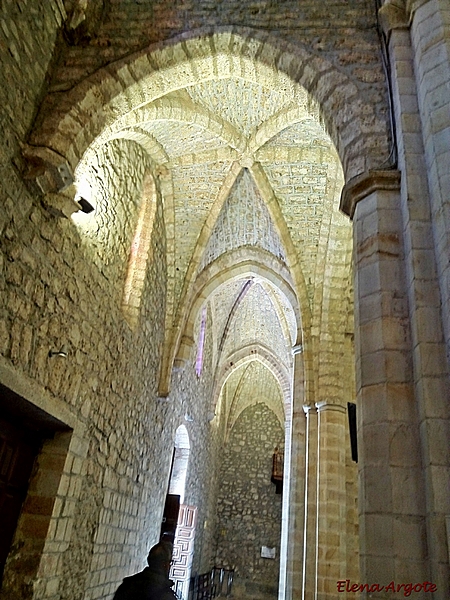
(27, 439)
(19, 447)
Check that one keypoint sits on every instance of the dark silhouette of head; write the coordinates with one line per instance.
(160, 556)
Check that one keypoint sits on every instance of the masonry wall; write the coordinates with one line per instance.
(193, 394)
(249, 510)
(345, 31)
(28, 33)
(61, 283)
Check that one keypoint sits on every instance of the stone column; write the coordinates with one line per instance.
(391, 495)
(294, 489)
(429, 24)
(431, 382)
(331, 499)
(310, 553)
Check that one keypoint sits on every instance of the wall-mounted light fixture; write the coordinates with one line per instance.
(62, 353)
(86, 206)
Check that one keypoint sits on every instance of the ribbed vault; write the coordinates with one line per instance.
(250, 182)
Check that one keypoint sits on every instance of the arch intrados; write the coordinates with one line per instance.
(280, 121)
(176, 111)
(158, 70)
(248, 354)
(254, 261)
(261, 354)
(243, 270)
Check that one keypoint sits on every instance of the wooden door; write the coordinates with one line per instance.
(18, 450)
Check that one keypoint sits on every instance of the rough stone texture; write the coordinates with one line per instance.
(295, 95)
(249, 510)
(243, 221)
(59, 304)
(193, 395)
(337, 34)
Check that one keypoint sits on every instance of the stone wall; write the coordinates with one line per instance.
(28, 34)
(55, 293)
(249, 510)
(346, 30)
(192, 393)
(61, 283)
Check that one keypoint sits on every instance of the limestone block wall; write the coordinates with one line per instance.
(53, 294)
(28, 34)
(61, 284)
(249, 510)
(192, 394)
(344, 31)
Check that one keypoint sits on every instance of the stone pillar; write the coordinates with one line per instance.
(429, 24)
(331, 499)
(430, 368)
(391, 494)
(310, 553)
(291, 568)
(285, 583)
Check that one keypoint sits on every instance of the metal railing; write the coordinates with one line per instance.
(214, 583)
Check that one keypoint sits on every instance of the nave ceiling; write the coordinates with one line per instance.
(249, 176)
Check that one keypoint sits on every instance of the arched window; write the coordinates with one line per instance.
(139, 253)
(180, 463)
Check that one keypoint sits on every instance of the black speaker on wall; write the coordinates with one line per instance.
(351, 411)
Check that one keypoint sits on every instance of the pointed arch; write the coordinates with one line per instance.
(352, 116)
(181, 334)
(248, 354)
(235, 265)
(172, 109)
(180, 462)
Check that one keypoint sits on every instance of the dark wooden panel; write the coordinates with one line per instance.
(18, 449)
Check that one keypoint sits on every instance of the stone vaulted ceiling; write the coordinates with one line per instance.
(249, 173)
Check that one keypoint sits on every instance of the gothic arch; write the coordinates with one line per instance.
(100, 105)
(226, 269)
(179, 343)
(180, 462)
(173, 109)
(351, 116)
(248, 354)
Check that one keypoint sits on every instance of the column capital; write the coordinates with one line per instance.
(307, 408)
(367, 183)
(324, 405)
(393, 15)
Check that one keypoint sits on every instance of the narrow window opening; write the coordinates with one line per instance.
(201, 344)
(139, 253)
